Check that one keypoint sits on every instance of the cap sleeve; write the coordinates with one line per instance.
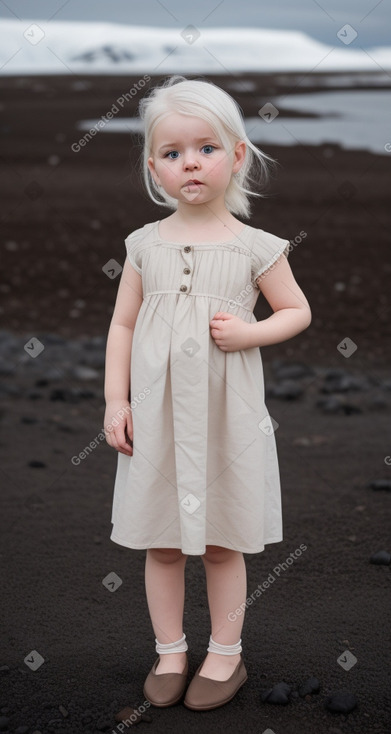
(266, 249)
(133, 248)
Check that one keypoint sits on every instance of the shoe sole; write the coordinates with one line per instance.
(166, 703)
(216, 705)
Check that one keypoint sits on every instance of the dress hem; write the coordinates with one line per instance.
(278, 539)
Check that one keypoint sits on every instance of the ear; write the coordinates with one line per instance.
(239, 156)
(151, 167)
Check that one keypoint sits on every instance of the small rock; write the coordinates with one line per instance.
(286, 390)
(279, 694)
(4, 669)
(340, 381)
(311, 685)
(54, 373)
(103, 725)
(126, 714)
(341, 702)
(4, 721)
(85, 373)
(73, 395)
(293, 371)
(381, 558)
(6, 369)
(22, 729)
(380, 485)
(34, 395)
(42, 382)
(63, 711)
(28, 420)
(336, 404)
(35, 464)
(378, 403)
(49, 339)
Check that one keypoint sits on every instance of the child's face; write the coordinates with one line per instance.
(185, 148)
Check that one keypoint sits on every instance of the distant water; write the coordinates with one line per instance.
(353, 119)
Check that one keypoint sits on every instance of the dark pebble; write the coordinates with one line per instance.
(127, 712)
(70, 396)
(378, 403)
(342, 383)
(4, 669)
(42, 382)
(335, 404)
(381, 558)
(103, 725)
(293, 371)
(279, 694)
(28, 420)
(4, 721)
(6, 369)
(22, 729)
(95, 359)
(34, 395)
(8, 390)
(380, 485)
(49, 339)
(341, 702)
(311, 685)
(35, 464)
(286, 390)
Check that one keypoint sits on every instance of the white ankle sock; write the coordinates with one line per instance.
(224, 649)
(178, 646)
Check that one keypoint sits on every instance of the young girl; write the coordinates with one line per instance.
(197, 462)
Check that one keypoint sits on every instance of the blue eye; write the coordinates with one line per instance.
(172, 152)
(211, 148)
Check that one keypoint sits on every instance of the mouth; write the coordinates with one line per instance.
(193, 182)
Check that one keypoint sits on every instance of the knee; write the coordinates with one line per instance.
(166, 555)
(217, 554)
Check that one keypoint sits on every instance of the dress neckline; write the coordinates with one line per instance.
(203, 242)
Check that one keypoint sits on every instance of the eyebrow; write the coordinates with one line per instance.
(174, 145)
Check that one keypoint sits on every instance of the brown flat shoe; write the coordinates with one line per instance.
(204, 694)
(165, 689)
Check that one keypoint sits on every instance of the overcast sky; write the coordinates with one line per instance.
(321, 19)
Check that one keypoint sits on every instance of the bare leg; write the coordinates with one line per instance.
(165, 589)
(226, 585)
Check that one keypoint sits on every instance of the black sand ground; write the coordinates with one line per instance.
(64, 216)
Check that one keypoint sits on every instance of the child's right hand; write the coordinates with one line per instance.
(118, 426)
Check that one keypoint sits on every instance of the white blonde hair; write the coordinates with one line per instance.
(207, 101)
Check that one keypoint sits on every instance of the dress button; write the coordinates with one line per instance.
(186, 271)
(183, 288)
(187, 248)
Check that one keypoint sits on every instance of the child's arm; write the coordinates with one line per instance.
(118, 354)
(292, 314)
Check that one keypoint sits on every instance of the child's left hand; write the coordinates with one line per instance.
(230, 332)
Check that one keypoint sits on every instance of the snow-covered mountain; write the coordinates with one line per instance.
(66, 47)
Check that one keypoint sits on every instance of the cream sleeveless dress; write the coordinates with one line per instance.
(204, 469)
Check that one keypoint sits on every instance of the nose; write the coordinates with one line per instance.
(190, 161)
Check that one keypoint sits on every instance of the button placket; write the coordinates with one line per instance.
(187, 269)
